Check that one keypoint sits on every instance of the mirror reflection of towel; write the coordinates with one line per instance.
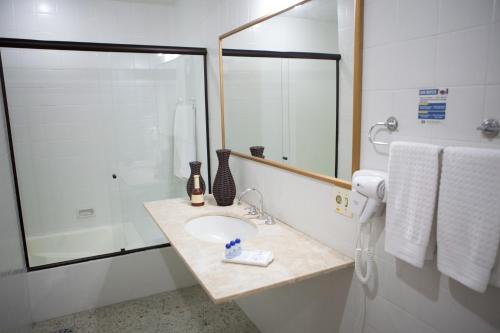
(184, 139)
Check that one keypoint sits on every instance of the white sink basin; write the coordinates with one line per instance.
(220, 229)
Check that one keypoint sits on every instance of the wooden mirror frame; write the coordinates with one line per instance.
(357, 75)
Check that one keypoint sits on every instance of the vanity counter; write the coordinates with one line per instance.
(296, 255)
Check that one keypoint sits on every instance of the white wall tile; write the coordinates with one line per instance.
(464, 111)
(377, 106)
(492, 102)
(419, 292)
(46, 6)
(497, 10)
(460, 14)
(379, 71)
(321, 301)
(381, 17)
(28, 6)
(291, 209)
(492, 110)
(386, 317)
(6, 18)
(415, 63)
(417, 18)
(457, 57)
(494, 54)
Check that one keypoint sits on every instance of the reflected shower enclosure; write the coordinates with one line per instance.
(92, 138)
(286, 102)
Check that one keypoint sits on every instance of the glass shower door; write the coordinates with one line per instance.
(92, 134)
(143, 136)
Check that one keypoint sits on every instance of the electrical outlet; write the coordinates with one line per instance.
(341, 201)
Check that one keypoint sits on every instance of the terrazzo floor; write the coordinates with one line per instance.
(182, 310)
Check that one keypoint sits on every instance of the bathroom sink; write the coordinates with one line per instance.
(220, 229)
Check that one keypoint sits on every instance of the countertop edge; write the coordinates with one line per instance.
(219, 300)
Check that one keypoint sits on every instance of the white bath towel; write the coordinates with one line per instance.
(495, 275)
(184, 140)
(411, 201)
(468, 223)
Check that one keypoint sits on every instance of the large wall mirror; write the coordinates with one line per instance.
(290, 89)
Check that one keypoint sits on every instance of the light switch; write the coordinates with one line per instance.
(341, 201)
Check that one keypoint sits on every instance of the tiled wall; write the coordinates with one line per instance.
(424, 44)
(411, 45)
(15, 315)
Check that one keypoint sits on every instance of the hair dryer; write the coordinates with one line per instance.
(368, 193)
(367, 197)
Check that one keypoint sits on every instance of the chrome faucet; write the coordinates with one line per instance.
(260, 210)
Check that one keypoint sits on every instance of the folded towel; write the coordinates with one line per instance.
(468, 222)
(411, 201)
(184, 140)
(495, 275)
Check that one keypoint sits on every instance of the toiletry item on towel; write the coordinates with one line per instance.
(411, 201)
(184, 139)
(468, 219)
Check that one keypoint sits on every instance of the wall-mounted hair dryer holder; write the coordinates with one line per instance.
(368, 196)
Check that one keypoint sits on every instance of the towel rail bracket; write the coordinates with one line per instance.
(490, 127)
(391, 124)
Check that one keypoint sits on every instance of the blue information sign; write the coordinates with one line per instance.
(432, 105)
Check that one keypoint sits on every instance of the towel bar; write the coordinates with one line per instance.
(391, 124)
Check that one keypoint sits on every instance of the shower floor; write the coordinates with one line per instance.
(184, 310)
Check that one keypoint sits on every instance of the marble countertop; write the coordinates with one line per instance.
(296, 256)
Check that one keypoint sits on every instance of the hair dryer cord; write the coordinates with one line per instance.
(358, 259)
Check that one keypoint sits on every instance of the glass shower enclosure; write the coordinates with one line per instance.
(93, 135)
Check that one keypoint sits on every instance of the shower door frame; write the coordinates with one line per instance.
(90, 47)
